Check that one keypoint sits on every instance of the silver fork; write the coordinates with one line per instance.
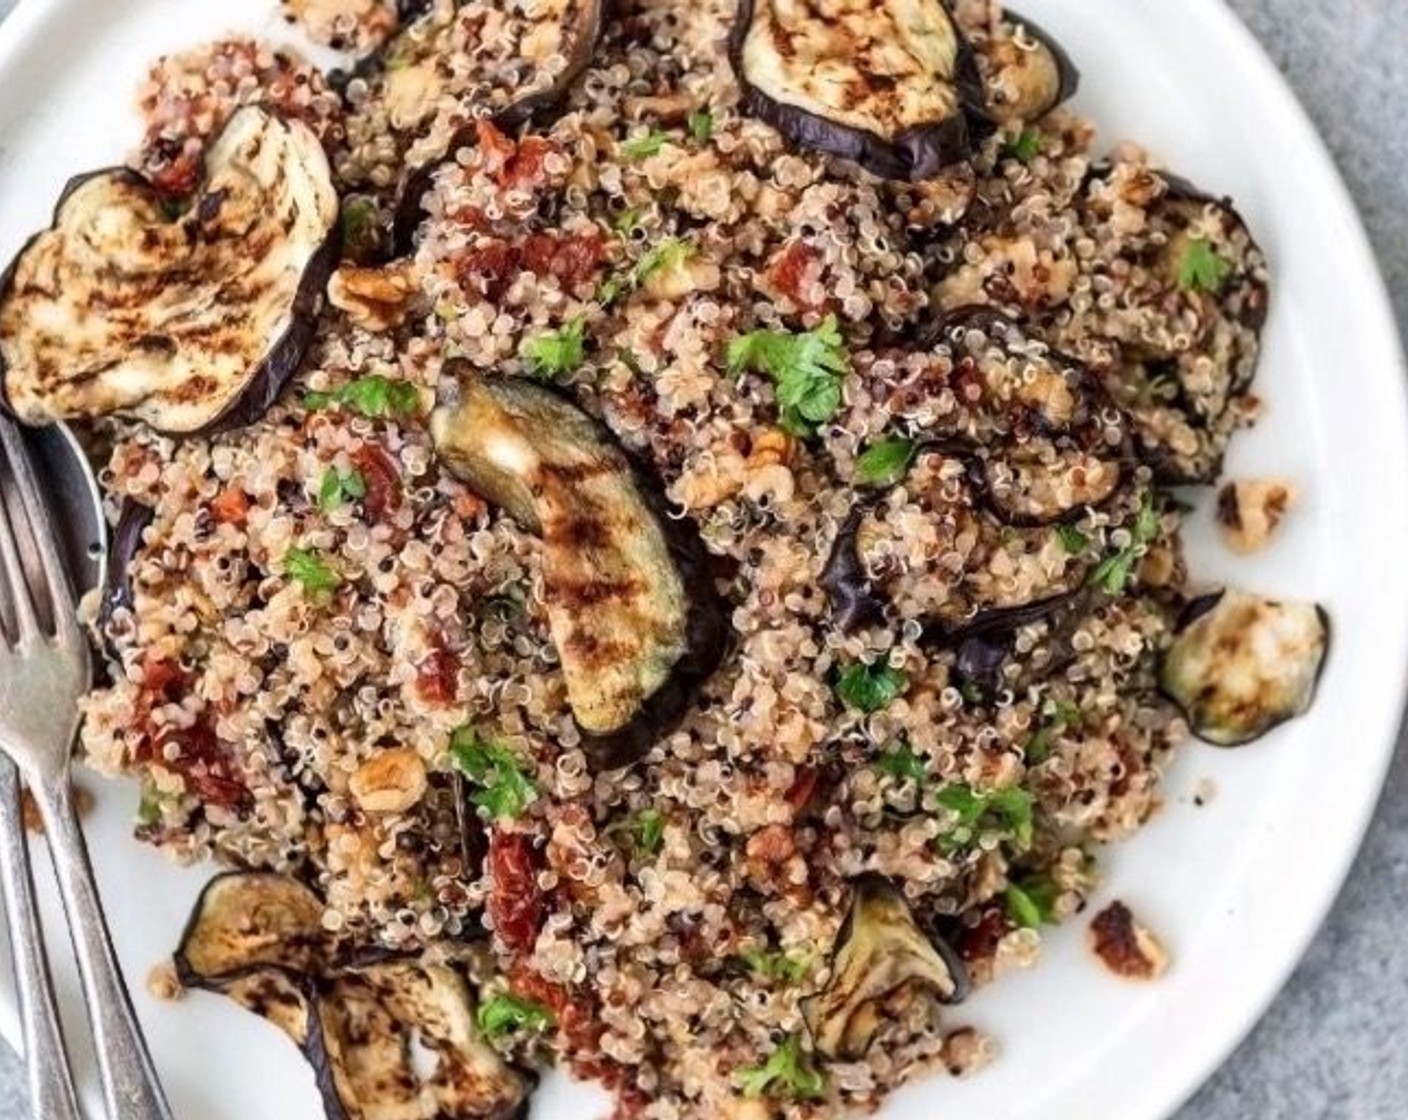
(45, 668)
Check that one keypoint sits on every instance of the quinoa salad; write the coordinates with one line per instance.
(646, 538)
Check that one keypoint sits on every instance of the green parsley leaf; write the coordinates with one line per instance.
(868, 688)
(776, 965)
(358, 221)
(701, 126)
(627, 220)
(902, 764)
(787, 1073)
(373, 396)
(885, 462)
(1072, 539)
(308, 568)
(650, 831)
(642, 147)
(149, 803)
(807, 369)
(1032, 902)
(1007, 811)
(554, 353)
(668, 255)
(505, 788)
(507, 1014)
(1201, 268)
(338, 487)
(1026, 146)
(1113, 573)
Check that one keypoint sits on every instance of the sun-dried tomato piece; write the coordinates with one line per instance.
(515, 899)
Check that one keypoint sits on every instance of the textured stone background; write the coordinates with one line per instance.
(1333, 1046)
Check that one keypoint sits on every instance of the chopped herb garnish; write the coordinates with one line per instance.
(885, 461)
(807, 368)
(701, 126)
(787, 1073)
(1008, 811)
(1025, 146)
(554, 353)
(971, 693)
(1072, 539)
(505, 789)
(1201, 268)
(338, 487)
(776, 965)
(149, 804)
(358, 222)
(902, 764)
(650, 831)
(868, 688)
(308, 568)
(627, 220)
(373, 396)
(642, 147)
(1032, 902)
(508, 1014)
(1113, 573)
(668, 255)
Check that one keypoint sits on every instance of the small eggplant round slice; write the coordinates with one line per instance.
(187, 324)
(1026, 71)
(249, 921)
(623, 618)
(890, 84)
(881, 956)
(1241, 664)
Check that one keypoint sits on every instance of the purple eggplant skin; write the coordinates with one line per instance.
(1065, 65)
(706, 641)
(532, 108)
(915, 153)
(282, 361)
(126, 542)
(854, 603)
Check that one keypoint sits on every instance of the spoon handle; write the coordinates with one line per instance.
(130, 1085)
(51, 1091)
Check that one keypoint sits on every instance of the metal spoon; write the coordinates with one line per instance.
(72, 493)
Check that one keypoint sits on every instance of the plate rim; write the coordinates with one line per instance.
(1181, 1079)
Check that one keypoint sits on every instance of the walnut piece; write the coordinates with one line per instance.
(1125, 946)
(1249, 511)
(376, 299)
(390, 782)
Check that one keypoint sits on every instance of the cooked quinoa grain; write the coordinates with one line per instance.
(946, 563)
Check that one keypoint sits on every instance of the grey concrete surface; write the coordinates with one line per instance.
(1335, 1044)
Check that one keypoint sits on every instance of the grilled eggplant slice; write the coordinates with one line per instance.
(1026, 72)
(372, 1018)
(1241, 664)
(891, 84)
(186, 324)
(257, 938)
(617, 602)
(881, 956)
(251, 921)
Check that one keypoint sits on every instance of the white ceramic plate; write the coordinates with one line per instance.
(1236, 888)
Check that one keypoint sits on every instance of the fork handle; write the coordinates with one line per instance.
(130, 1086)
(51, 1091)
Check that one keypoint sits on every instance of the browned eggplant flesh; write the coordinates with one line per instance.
(186, 323)
(622, 618)
(892, 85)
(258, 939)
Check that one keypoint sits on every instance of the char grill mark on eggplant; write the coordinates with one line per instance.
(257, 938)
(1241, 664)
(630, 605)
(881, 956)
(190, 324)
(890, 84)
